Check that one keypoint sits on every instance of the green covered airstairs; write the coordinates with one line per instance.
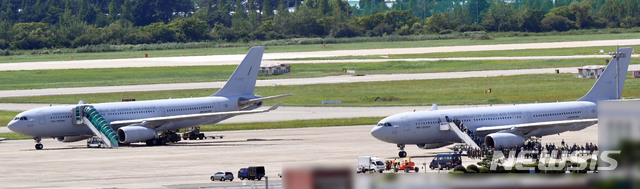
(88, 115)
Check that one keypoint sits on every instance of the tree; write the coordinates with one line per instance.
(189, 29)
(440, 22)
(476, 9)
(501, 16)
(582, 13)
(532, 20)
(267, 10)
(33, 35)
(611, 13)
(113, 11)
(160, 32)
(557, 23)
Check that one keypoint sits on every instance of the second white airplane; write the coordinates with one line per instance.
(141, 121)
(503, 126)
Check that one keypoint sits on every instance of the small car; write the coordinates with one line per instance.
(222, 176)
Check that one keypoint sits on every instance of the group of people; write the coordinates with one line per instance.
(531, 149)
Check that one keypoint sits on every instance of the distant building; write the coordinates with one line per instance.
(275, 69)
(590, 71)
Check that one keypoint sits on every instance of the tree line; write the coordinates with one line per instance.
(35, 24)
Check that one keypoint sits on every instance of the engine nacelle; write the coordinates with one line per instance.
(432, 145)
(131, 134)
(71, 138)
(503, 140)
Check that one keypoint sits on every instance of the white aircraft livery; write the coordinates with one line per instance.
(503, 126)
(141, 121)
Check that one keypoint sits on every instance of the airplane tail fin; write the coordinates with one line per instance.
(243, 80)
(611, 82)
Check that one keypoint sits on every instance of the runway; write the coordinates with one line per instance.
(292, 81)
(269, 57)
(189, 164)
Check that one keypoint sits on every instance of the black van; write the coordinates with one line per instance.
(256, 172)
(446, 161)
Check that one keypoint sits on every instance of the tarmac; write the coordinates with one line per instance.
(189, 164)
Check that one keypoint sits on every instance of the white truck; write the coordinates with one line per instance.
(370, 164)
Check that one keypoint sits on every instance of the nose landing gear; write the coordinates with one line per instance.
(402, 153)
(39, 145)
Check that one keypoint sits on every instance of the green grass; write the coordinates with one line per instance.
(14, 136)
(469, 91)
(315, 47)
(38, 79)
(506, 53)
(292, 124)
(6, 116)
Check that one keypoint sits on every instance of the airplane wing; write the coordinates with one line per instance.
(157, 121)
(523, 129)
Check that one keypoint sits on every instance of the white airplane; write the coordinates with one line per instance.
(503, 126)
(141, 121)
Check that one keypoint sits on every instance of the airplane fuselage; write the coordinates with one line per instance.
(58, 121)
(423, 127)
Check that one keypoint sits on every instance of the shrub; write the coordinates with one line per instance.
(473, 167)
(483, 170)
(460, 168)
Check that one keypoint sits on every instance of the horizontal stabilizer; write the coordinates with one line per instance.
(246, 102)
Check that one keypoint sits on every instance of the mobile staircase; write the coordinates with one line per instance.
(89, 116)
(455, 126)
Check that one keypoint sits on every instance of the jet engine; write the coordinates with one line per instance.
(72, 138)
(504, 140)
(131, 134)
(432, 145)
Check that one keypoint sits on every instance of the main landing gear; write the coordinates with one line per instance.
(402, 153)
(39, 145)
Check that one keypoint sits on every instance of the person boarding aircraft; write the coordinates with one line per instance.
(503, 126)
(141, 121)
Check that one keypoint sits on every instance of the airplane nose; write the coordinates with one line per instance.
(377, 132)
(13, 126)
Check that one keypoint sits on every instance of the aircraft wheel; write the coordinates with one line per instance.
(402, 154)
(39, 146)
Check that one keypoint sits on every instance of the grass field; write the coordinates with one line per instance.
(316, 47)
(505, 53)
(38, 79)
(506, 90)
(5, 117)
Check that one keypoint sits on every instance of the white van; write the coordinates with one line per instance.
(369, 164)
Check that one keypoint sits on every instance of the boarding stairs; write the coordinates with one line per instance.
(455, 127)
(89, 116)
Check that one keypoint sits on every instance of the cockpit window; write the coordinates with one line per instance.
(384, 124)
(17, 118)
(23, 118)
